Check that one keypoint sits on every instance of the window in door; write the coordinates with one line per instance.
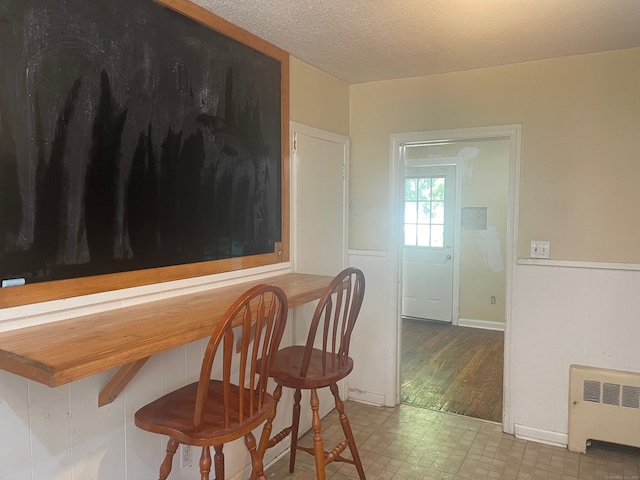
(424, 211)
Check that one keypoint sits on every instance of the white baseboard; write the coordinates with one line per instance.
(367, 397)
(541, 436)
(271, 463)
(485, 324)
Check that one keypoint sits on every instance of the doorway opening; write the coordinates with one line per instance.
(458, 271)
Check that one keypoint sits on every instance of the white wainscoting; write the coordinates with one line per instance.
(61, 434)
(374, 378)
(566, 313)
(562, 313)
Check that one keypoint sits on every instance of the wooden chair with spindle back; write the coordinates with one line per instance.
(305, 367)
(213, 412)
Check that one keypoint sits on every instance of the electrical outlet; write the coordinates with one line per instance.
(539, 249)
(185, 456)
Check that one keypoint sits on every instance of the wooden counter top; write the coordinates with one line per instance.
(64, 351)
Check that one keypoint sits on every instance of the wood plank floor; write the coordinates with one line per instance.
(452, 369)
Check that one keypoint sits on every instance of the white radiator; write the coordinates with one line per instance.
(603, 405)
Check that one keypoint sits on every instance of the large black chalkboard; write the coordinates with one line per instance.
(132, 137)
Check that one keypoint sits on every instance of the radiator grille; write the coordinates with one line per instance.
(630, 396)
(611, 394)
(591, 391)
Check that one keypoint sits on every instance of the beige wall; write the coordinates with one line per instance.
(484, 171)
(485, 183)
(580, 178)
(317, 99)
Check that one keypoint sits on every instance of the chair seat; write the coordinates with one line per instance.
(172, 415)
(285, 368)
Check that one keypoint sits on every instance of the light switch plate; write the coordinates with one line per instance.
(539, 249)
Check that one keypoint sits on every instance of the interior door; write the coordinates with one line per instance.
(429, 207)
(319, 219)
(319, 173)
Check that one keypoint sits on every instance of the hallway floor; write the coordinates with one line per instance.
(412, 443)
(452, 369)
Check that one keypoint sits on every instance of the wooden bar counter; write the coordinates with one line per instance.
(61, 352)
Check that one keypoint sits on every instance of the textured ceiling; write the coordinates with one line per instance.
(367, 40)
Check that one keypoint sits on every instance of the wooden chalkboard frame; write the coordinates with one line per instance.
(59, 289)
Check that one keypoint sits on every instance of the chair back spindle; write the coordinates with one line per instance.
(252, 318)
(335, 316)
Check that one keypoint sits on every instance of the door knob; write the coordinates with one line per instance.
(448, 256)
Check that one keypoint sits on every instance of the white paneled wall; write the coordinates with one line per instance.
(568, 313)
(15, 440)
(373, 379)
(563, 313)
(61, 433)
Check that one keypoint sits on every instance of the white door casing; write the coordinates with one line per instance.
(396, 186)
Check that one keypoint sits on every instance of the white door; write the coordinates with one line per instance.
(429, 206)
(319, 200)
(319, 220)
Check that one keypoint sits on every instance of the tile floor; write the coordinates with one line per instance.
(411, 443)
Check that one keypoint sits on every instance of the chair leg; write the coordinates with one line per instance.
(257, 466)
(346, 428)
(165, 467)
(218, 462)
(205, 464)
(318, 445)
(265, 437)
(294, 429)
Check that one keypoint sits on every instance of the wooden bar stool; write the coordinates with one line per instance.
(304, 367)
(213, 412)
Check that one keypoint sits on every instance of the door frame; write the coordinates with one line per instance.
(457, 205)
(396, 177)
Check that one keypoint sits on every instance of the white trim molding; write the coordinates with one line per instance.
(396, 172)
(483, 324)
(369, 398)
(555, 439)
(579, 264)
